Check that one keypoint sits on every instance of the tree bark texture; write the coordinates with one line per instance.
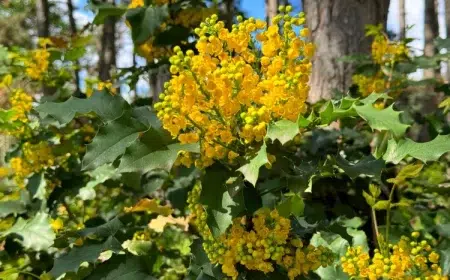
(271, 10)
(402, 19)
(338, 29)
(447, 27)
(73, 31)
(107, 55)
(43, 18)
(431, 31)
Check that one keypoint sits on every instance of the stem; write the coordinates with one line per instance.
(388, 213)
(374, 226)
(31, 274)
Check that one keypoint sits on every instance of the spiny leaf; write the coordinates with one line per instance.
(103, 104)
(330, 112)
(408, 171)
(292, 205)
(111, 141)
(251, 169)
(151, 152)
(149, 205)
(71, 261)
(386, 119)
(133, 268)
(107, 229)
(428, 151)
(283, 130)
(36, 233)
(366, 166)
(146, 21)
(11, 207)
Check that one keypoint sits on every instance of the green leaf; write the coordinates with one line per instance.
(36, 233)
(36, 185)
(366, 166)
(111, 141)
(251, 169)
(145, 115)
(151, 152)
(428, 151)
(107, 229)
(107, 10)
(11, 207)
(292, 205)
(369, 199)
(103, 104)
(145, 22)
(386, 119)
(223, 203)
(173, 35)
(330, 112)
(283, 130)
(138, 247)
(408, 171)
(133, 268)
(74, 54)
(382, 205)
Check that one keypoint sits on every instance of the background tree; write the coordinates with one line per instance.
(107, 52)
(402, 19)
(431, 31)
(271, 9)
(447, 24)
(337, 29)
(43, 18)
(73, 32)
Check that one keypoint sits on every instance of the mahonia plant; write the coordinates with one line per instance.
(224, 94)
(260, 243)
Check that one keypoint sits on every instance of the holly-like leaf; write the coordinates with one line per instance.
(283, 130)
(222, 202)
(428, 151)
(151, 152)
(35, 234)
(331, 112)
(107, 10)
(107, 229)
(36, 185)
(366, 166)
(149, 205)
(11, 207)
(146, 21)
(292, 205)
(103, 104)
(251, 169)
(386, 119)
(111, 141)
(71, 261)
(134, 268)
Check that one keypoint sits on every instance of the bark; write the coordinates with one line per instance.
(402, 19)
(431, 31)
(271, 10)
(107, 56)
(42, 17)
(337, 29)
(229, 13)
(447, 25)
(73, 31)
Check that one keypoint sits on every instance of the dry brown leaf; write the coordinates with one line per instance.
(151, 205)
(160, 222)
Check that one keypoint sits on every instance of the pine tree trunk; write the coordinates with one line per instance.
(271, 10)
(42, 17)
(73, 31)
(447, 24)
(431, 31)
(402, 19)
(107, 56)
(337, 29)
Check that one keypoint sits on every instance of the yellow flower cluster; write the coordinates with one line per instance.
(38, 64)
(35, 157)
(21, 104)
(185, 17)
(100, 86)
(227, 94)
(408, 259)
(385, 53)
(257, 245)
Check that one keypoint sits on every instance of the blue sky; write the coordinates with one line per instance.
(255, 8)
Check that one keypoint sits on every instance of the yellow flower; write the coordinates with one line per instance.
(223, 97)
(57, 224)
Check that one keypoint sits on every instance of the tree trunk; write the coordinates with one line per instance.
(73, 31)
(107, 56)
(337, 29)
(42, 17)
(229, 15)
(402, 19)
(447, 24)
(271, 10)
(431, 31)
